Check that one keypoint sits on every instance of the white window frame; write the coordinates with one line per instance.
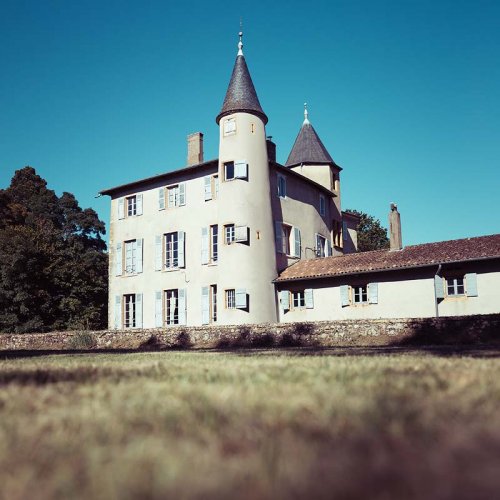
(176, 195)
(213, 303)
(360, 294)
(321, 246)
(130, 257)
(229, 234)
(298, 299)
(214, 243)
(452, 282)
(129, 310)
(171, 250)
(171, 306)
(230, 298)
(131, 205)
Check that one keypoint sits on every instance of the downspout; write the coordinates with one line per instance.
(435, 294)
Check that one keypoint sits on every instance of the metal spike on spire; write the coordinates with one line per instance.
(306, 114)
(240, 44)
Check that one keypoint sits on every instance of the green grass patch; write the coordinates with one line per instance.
(261, 424)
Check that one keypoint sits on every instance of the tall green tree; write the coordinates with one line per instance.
(371, 234)
(53, 262)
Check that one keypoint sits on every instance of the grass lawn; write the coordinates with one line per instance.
(251, 424)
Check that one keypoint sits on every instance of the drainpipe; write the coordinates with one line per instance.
(435, 294)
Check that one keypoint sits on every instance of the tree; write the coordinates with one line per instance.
(371, 234)
(53, 262)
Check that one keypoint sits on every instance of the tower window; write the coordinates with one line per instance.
(230, 126)
(235, 170)
(322, 205)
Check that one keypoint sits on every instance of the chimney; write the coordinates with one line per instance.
(396, 242)
(195, 149)
(271, 148)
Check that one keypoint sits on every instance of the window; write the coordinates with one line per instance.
(337, 233)
(298, 299)
(235, 170)
(320, 246)
(213, 303)
(231, 299)
(211, 186)
(214, 243)
(360, 294)
(130, 311)
(229, 234)
(281, 186)
(176, 195)
(171, 250)
(129, 257)
(230, 126)
(130, 206)
(171, 307)
(322, 205)
(455, 286)
(287, 239)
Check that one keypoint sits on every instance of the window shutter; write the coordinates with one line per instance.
(139, 204)
(121, 208)
(439, 287)
(344, 295)
(118, 312)
(171, 197)
(216, 186)
(138, 310)
(182, 194)
(140, 246)
(208, 187)
(158, 310)
(309, 298)
(373, 293)
(285, 300)
(119, 259)
(182, 305)
(279, 239)
(158, 253)
(204, 245)
(328, 248)
(296, 239)
(240, 169)
(241, 234)
(181, 240)
(161, 199)
(318, 245)
(241, 298)
(471, 284)
(205, 306)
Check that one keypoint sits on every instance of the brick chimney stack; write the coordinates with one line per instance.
(396, 241)
(195, 149)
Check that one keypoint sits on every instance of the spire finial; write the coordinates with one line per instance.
(240, 43)
(306, 114)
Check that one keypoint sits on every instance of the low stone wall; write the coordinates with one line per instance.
(483, 329)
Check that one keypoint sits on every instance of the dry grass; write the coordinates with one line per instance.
(266, 425)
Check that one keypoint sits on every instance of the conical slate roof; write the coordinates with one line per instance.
(241, 95)
(308, 148)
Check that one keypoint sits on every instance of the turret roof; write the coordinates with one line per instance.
(241, 95)
(308, 147)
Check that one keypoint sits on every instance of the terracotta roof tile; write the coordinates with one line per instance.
(427, 254)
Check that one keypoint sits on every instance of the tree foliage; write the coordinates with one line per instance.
(371, 234)
(53, 262)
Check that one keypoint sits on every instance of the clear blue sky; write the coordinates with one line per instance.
(404, 94)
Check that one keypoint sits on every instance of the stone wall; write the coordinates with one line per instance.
(484, 329)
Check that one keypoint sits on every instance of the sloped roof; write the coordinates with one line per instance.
(241, 95)
(427, 254)
(308, 148)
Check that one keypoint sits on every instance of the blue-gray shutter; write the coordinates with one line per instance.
(241, 298)
(181, 293)
(138, 200)
(204, 245)
(161, 199)
(241, 234)
(240, 169)
(205, 306)
(345, 231)
(285, 300)
(121, 208)
(322, 205)
(296, 240)
(139, 256)
(182, 194)
(207, 180)
(119, 259)
(344, 295)
(439, 287)
(158, 252)
(138, 310)
(279, 238)
(118, 312)
(158, 309)
(471, 284)
(329, 248)
(181, 243)
(373, 293)
(309, 298)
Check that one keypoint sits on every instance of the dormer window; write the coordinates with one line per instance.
(230, 126)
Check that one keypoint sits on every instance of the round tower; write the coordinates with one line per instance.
(247, 263)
